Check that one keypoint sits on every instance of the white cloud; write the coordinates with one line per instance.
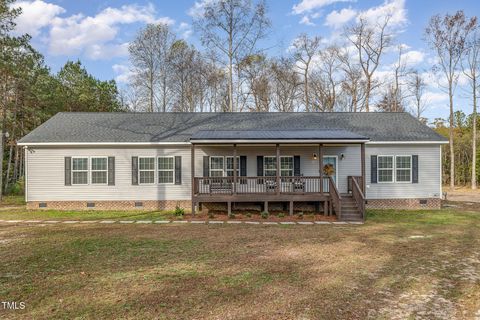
(198, 8)
(185, 30)
(35, 15)
(336, 19)
(123, 73)
(395, 9)
(95, 35)
(435, 97)
(306, 21)
(309, 5)
(413, 57)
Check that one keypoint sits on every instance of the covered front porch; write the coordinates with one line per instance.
(242, 169)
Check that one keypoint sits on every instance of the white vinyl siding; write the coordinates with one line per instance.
(46, 175)
(429, 177)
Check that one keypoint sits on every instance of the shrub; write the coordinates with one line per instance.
(281, 215)
(231, 215)
(211, 215)
(17, 188)
(300, 214)
(264, 214)
(248, 215)
(179, 212)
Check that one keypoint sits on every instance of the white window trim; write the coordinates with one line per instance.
(91, 170)
(216, 170)
(393, 169)
(280, 171)
(87, 171)
(411, 168)
(154, 171)
(226, 167)
(165, 170)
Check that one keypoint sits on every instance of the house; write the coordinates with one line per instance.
(331, 162)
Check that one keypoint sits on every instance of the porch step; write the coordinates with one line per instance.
(349, 209)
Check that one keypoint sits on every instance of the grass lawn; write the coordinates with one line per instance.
(398, 265)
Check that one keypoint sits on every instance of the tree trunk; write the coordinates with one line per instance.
(474, 138)
(15, 165)
(367, 95)
(452, 151)
(307, 98)
(9, 165)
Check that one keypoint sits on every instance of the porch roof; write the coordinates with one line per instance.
(305, 135)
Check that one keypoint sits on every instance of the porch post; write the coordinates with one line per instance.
(362, 152)
(320, 165)
(278, 169)
(235, 168)
(193, 176)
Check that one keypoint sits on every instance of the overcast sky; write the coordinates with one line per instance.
(98, 32)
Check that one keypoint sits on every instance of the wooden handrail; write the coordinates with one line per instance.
(335, 197)
(358, 196)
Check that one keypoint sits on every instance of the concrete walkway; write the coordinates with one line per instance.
(160, 222)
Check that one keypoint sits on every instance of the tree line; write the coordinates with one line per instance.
(232, 71)
(30, 94)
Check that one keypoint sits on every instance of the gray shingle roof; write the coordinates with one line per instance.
(304, 134)
(179, 127)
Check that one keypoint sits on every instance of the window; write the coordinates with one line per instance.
(385, 168)
(79, 170)
(146, 170)
(166, 169)
(99, 169)
(403, 168)
(216, 166)
(229, 167)
(269, 166)
(286, 166)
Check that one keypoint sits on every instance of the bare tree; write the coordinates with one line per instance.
(256, 73)
(285, 85)
(417, 85)
(370, 42)
(326, 80)
(352, 83)
(232, 28)
(447, 36)
(149, 55)
(471, 70)
(305, 49)
(399, 73)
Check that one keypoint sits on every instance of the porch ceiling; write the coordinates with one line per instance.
(306, 135)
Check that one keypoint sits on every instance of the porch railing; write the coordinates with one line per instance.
(259, 185)
(358, 195)
(335, 198)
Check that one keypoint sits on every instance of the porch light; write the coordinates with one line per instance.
(314, 156)
(342, 156)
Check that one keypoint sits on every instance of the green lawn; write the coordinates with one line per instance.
(402, 265)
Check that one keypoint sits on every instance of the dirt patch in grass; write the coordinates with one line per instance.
(396, 266)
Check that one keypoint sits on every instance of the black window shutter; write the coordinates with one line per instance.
(259, 166)
(243, 169)
(296, 166)
(178, 170)
(373, 169)
(68, 171)
(135, 171)
(111, 171)
(243, 166)
(206, 166)
(415, 169)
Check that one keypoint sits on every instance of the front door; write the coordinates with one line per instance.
(333, 161)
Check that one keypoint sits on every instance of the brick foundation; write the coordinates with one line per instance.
(431, 203)
(112, 205)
